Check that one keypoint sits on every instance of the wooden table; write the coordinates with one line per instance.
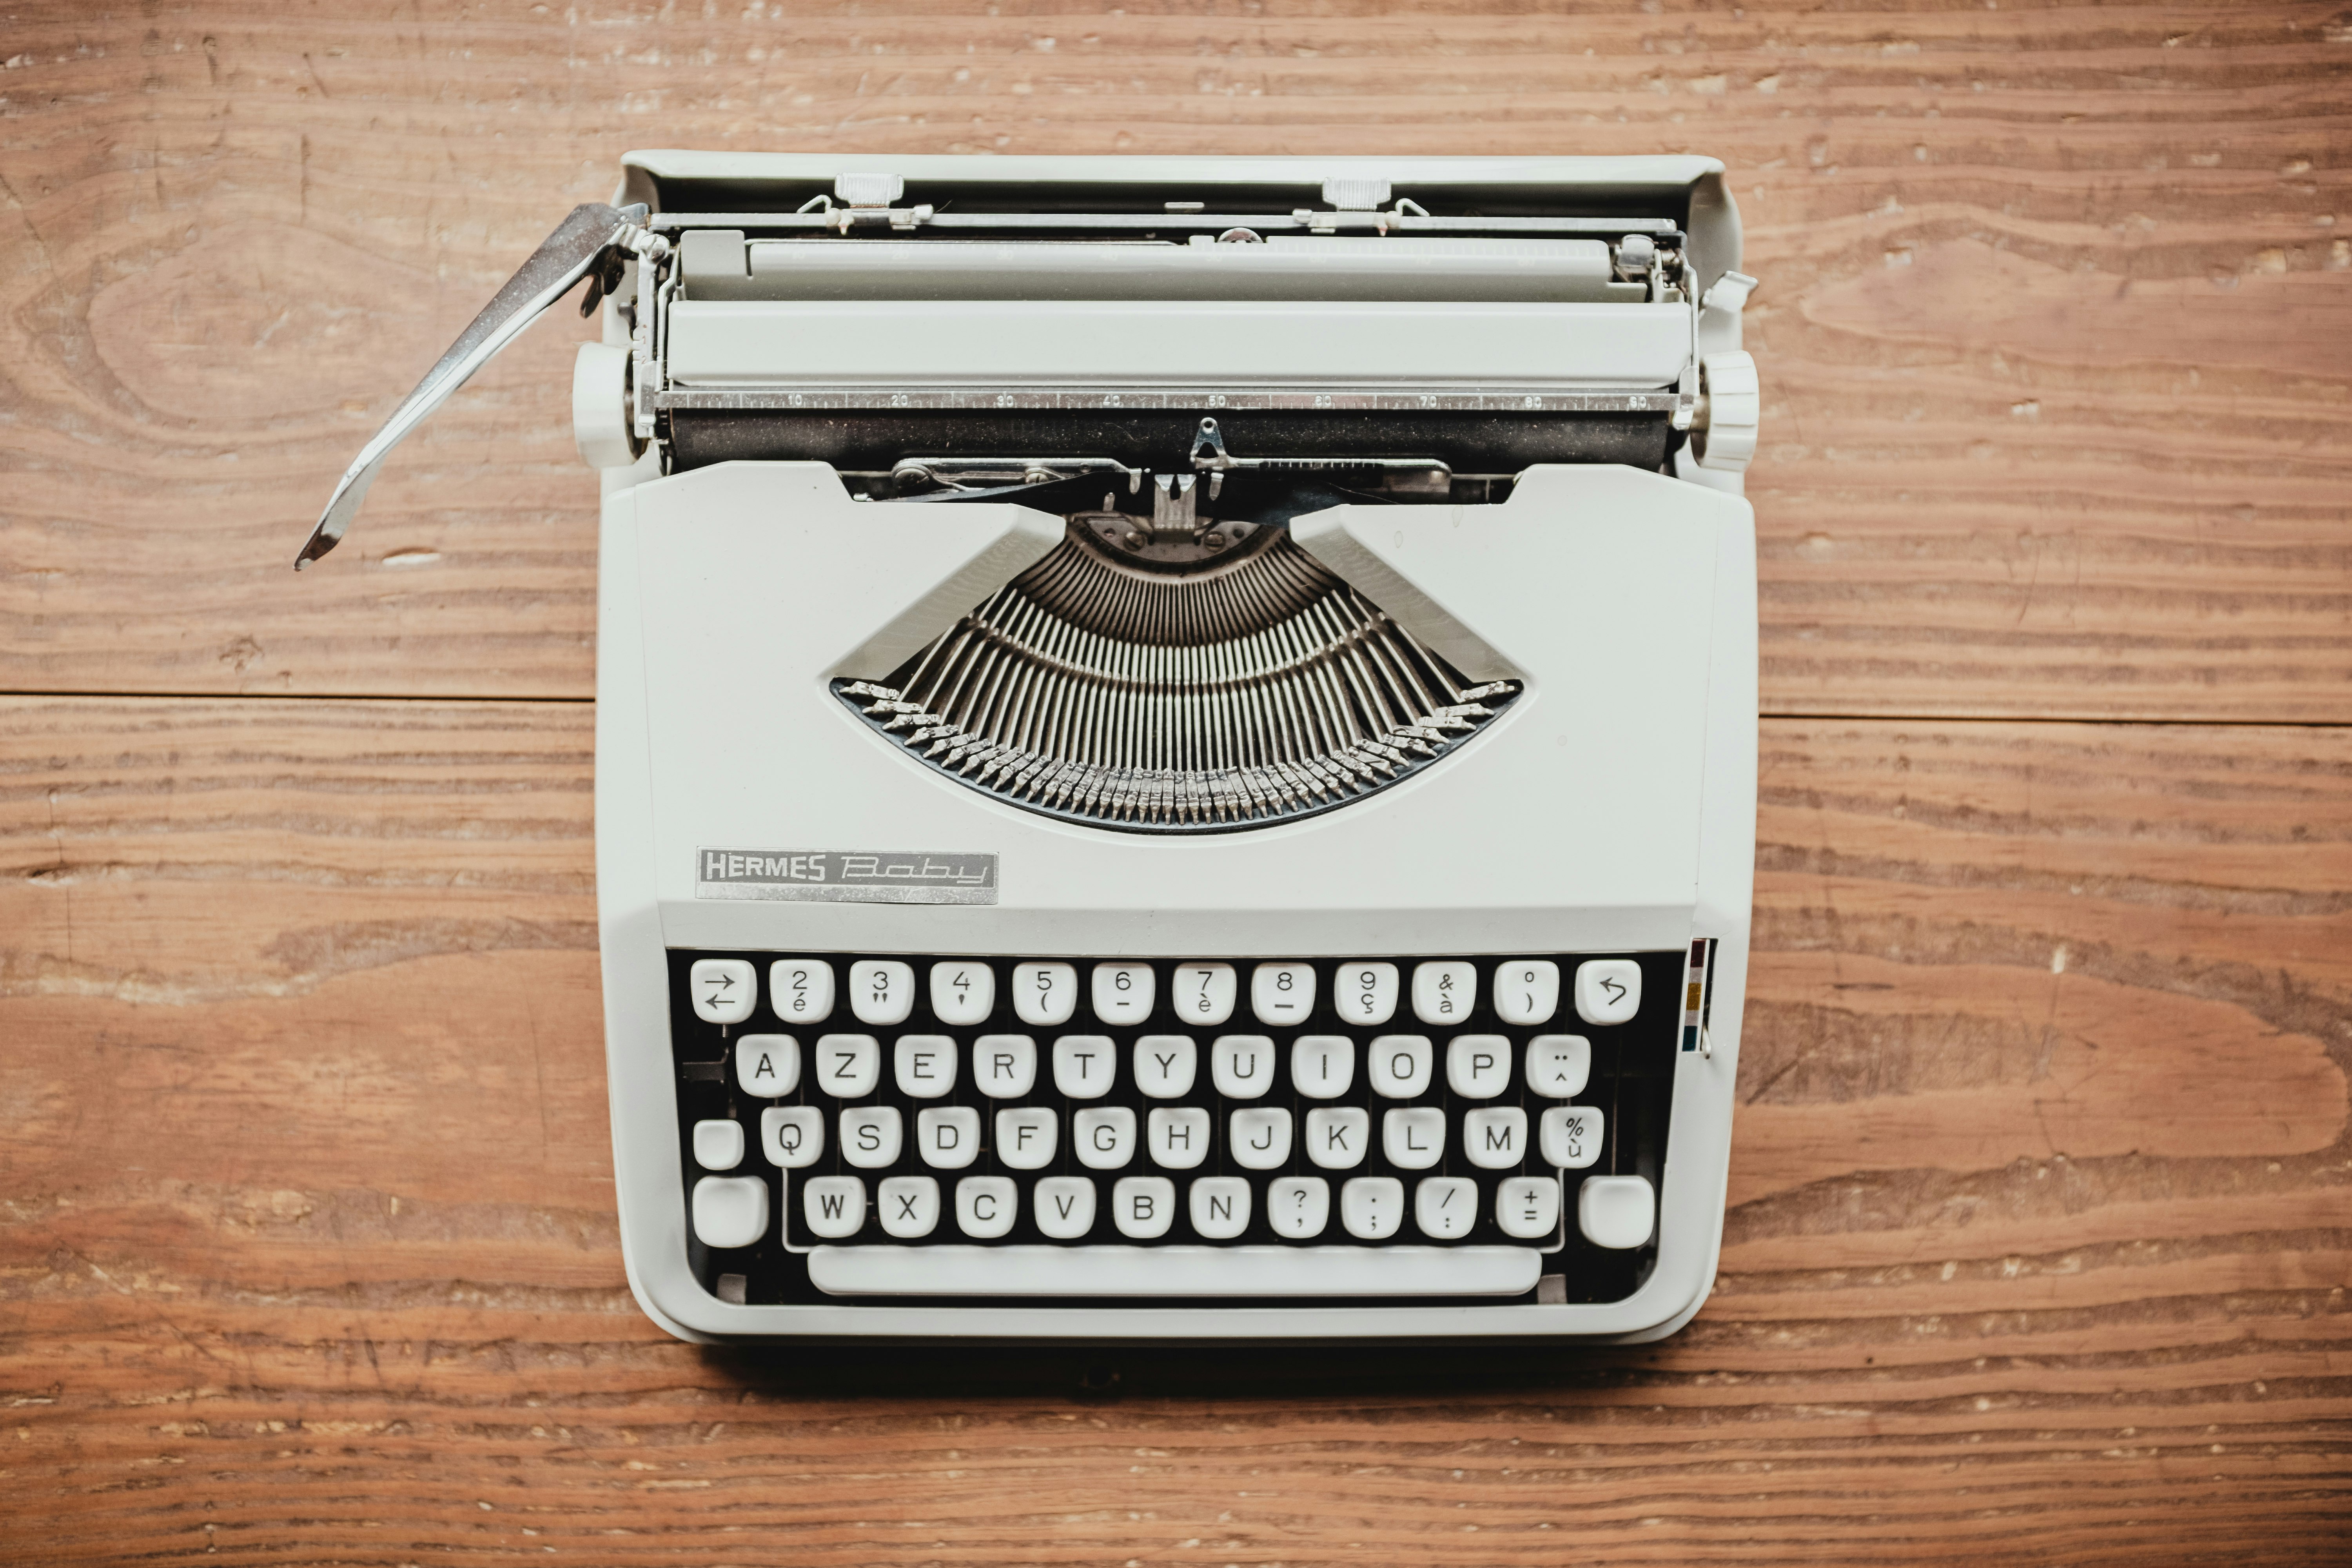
(2040, 1230)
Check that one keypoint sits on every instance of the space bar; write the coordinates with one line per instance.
(1174, 1270)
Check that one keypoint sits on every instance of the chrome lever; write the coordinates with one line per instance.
(589, 241)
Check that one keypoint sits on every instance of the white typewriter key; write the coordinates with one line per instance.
(1608, 990)
(1365, 994)
(1400, 1065)
(1025, 1138)
(1557, 1064)
(1165, 1066)
(1616, 1211)
(1527, 990)
(723, 989)
(1104, 1137)
(768, 1065)
(717, 1145)
(926, 1066)
(1203, 994)
(1045, 995)
(1242, 1066)
(1478, 1067)
(1142, 1206)
(1571, 1136)
(1371, 1208)
(881, 991)
(848, 1065)
(1337, 1139)
(1083, 1065)
(1299, 1206)
(1123, 993)
(1322, 1067)
(1282, 995)
(1257, 1140)
(1221, 1207)
(986, 1206)
(963, 992)
(948, 1138)
(1064, 1206)
(1527, 1207)
(1444, 993)
(1496, 1138)
(909, 1205)
(1445, 1207)
(792, 1136)
(800, 990)
(1413, 1140)
(1179, 1139)
(730, 1210)
(871, 1136)
(1004, 1066)
(833, 1206)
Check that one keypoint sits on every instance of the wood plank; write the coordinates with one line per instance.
(307, 1250)
(2051, 325)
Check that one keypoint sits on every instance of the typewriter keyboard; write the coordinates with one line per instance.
(898, 1126)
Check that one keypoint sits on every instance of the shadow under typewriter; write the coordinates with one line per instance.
(1226, 681)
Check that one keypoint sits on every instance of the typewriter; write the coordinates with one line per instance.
(1176, 738)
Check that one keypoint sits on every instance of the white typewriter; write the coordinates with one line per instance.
(1176, 738)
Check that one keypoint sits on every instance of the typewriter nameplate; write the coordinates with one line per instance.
(846, 877)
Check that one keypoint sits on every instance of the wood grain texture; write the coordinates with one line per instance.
(2053, 320)
(2037, 1252)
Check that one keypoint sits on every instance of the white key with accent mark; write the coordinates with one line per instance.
(1371, 1208)
(1445, 1207)
(1364, 992)
(1165, 1066)
(768, 1065)
(800, 990)
(1103, 1137)
(1025, 1137)
(1445, 992)
(717, 1145)
(1258, 1140)
(1084, 1066)
(926, 1066)
(1045, 995)
(1322, 1067)
(723, 989)
(1559, 1065)
(1143, 1207)
(1179, 1138)
(963, 992)
(1413, 1140)
(909, 1207)
(1299, 1206)
(1203, 994)
(1282, 995)
(1571, 1136)
(1339, 1137)
(730, 1210)
(1527, 990)
(848, 1065)
(871, 1136)
(1494, 1137)
(1123, 993)
(792, 1136)
(833, 1206)
(947, 1137)
(1400, 1065)
(986, 1206)
(881, 991)
(1527, 1207)
(1608, 990)
(1478, 1067)
(1242, 1066)
(1064, 1206)
(1221, 1207)
(1004, 1066)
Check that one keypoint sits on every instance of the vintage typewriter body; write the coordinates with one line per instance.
(1175, 738)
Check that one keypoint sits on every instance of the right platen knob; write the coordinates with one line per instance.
(1723, 437)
